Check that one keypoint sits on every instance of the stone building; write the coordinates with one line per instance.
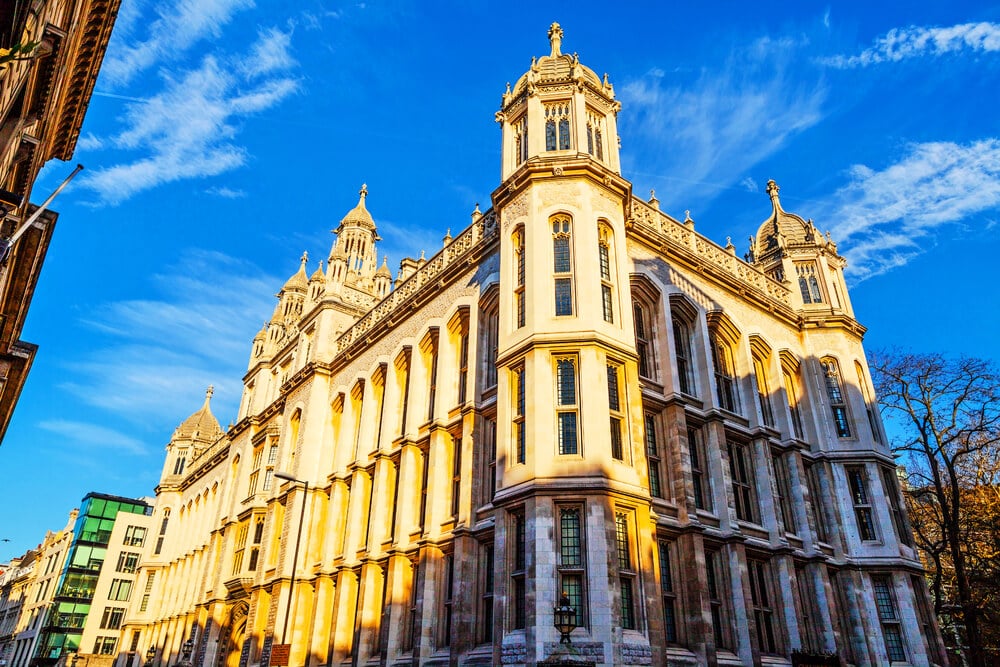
(25, 602)
(579, 401)
(50, 54)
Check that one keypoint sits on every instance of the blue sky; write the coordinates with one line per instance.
(227, 136)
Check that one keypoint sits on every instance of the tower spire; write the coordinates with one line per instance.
(555, 39)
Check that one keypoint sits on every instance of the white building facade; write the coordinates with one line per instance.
(578, 401)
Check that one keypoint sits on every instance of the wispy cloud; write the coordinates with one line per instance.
(177, 27)
(913, 42)
(93, 436)
(163, 351)
(189, 128)
(882, 219)
(710, 131)
(226, 193)
(89, 142)
(750, 185)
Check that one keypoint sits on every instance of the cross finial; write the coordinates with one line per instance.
(304, 258)
(364, 190)
(555, 39)
(209, 392)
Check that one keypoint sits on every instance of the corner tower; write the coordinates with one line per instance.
(574, 468)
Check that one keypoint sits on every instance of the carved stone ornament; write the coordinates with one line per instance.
(557, 171)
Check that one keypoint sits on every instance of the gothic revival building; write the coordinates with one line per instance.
(578, 402)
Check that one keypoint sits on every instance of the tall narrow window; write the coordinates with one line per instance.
(615, 406)
(667, 593)
(449, 586)
(492, 318)
(891, 484)
(862, 503)
(760, 597)
(782, 484)
(456, 474)
(626, 570)
(463, 364)
(725, 374)
(604, 255)
(716, 576)
(566, 405)
(258, 536)
(179, 463)
(808, 284)
(425, 459)
(918, 584)
(487, 600)
(699, 480)
(557, 135)
(834, 392)
(869, 403)
(653, 456)
(520, 127)
(517, 376)
(413, 636)
(571, 560)
(682, 356)
(272, 460)
(163, 532)
(519, 303)
(809, 615)
(241, 543)
(642, 342)
(403, 369)
(813, 473)
(742, 475)
(594, 144)
(562, 266)
(790, 377)
(888, 616)
(519, 602)
(432, 389)
(490, 447)
(763, 390)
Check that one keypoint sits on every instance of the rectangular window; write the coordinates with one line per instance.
(520, 434)
(519, 284)
(760, 597)
(626, 570)
(425, 457)
(571, 559)
(813, 473)
(616, 418)
(241, 543)
(490, 446)
(144, 605)
(699, 480)
(808, 616)
(725, 375)
(862, 504)
(487, 601)
(463, 367)
(449, 586)
(490, 348)
(128, 561)
(763, 391)
(793, 404)
(121, 589)
(607, 304)
(667, 593)
(432, 389)
(653, 457)
(562, 266)
(742, 475)
(456, 474)
(641, 340)
(891, 485)
(518, 571)
(834, 392)
(112, 618)
(782, 484)
(923, 608)
(413, 636)
(564, 134)
(105, 645)
(888, 615)
(566, 405)
(564, 296)
(135, 536)
(715, 574)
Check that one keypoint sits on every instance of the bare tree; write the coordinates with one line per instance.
(947, 414)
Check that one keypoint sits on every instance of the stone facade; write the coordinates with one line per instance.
(579, 400)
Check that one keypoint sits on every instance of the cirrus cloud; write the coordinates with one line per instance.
(913, 42)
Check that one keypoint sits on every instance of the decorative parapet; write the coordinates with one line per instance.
(670, 232)
(483, 229)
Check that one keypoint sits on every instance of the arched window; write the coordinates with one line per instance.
(518, 245)
(790, 378)
(595, 145)
(761, 355)
(869, 402)
(179, 463)
(835, 393)
(562, 265)
(520, 127)
(682, 355)
(643, 333)
(557, 126)
(604, 255)
(808, 284)
(725, 373)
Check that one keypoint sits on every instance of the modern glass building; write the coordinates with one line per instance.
(74, 597)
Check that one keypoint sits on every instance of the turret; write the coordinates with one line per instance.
(195, 434)
(558, 108)
(793, 251)
(353, 256)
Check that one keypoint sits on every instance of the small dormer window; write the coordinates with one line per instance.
(557, 126)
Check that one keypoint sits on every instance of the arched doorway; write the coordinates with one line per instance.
(232, 636)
